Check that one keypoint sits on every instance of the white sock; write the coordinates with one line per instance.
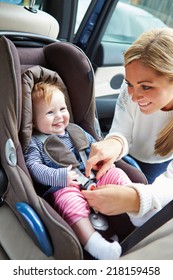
(102, 249)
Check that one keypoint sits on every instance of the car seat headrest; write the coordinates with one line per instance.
(25, 21)
(30, 77)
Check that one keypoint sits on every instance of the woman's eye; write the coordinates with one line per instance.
(146, 87)
(128, 84)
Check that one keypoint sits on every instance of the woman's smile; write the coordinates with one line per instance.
(144, 105)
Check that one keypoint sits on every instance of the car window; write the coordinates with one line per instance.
(129, 19)
(81, 10)
(128, 22)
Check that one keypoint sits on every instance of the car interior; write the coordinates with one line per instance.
(21, 207)
(32, 229)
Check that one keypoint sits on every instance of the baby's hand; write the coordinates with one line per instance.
(72, 176)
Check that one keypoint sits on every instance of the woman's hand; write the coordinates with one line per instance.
(102, 155)
(113, 199)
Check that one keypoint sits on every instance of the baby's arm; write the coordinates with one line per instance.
(72, 177)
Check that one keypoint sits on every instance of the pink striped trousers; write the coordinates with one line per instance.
(70, 203)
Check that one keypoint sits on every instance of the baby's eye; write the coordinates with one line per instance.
(50, 112)
(63, 109)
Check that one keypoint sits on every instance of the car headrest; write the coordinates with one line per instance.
(25, 21)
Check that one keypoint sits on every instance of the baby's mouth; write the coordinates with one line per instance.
(57, 124)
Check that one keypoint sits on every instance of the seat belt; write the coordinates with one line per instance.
(155, 222)
(97, 219)
(86, 183)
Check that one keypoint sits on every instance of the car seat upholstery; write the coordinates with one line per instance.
(19, 186)
(33, 63)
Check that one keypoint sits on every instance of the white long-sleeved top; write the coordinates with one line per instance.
(153, 197)
(140, 130)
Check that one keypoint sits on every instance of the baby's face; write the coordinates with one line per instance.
(51, 118)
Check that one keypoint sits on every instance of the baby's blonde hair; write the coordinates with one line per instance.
(154, 49)
(45, 91)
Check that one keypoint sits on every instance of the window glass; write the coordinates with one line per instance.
(131, 18)
(82, 8)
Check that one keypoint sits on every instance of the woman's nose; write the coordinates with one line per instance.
(135, 94)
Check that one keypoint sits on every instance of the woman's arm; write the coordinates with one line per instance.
(115, 145)
(124, 115)
(153, 197)
(140, 201)
(113, 199)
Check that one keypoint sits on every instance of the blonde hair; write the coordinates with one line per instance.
(154, 49)
(45, 91)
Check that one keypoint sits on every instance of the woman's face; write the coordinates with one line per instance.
(151, 91)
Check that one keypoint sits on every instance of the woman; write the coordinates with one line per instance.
(143, 114)
(149, 78)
